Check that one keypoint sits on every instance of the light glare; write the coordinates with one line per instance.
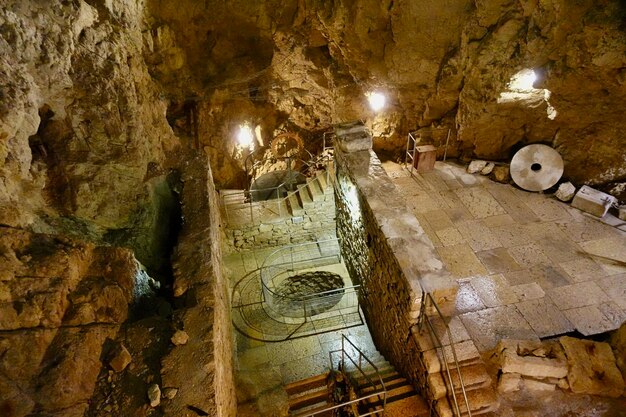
(523, 80)
(245, 136)
(377, 100)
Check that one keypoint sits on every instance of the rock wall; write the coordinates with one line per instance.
(304, 65)
(83, 133)
(202, 368)
(315, 223)
(60, 300)
(387, 252)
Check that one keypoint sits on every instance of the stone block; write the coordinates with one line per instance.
(518, 357)
(509, 382)
(621, 212)
(592, 368)
(593, 201)
(565, 192)
(538, 385)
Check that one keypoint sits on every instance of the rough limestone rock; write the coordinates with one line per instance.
(618, 343)
(170, 393)
(488, 168)
(476, 166)
(121, 359)
(566, 192)
(592, 368)
(49, 347)
(519, 357)
(180, 337)
(154, 395)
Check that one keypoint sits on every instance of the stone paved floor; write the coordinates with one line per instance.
(289, 360)
(528, 265)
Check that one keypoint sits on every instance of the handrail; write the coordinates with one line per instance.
(376, 393)
(424, 318)
(278, 201)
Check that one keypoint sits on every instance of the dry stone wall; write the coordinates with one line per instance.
(386, 251)
(202, 368)
(315, 223)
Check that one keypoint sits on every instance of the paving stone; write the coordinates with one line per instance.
(545, 208)
(461, 261)
(613, 313)
(478, 236)
(450, 237)
(609, 252)
(544, 317)
(489, 326)
(458, 215)
(493, 290)
(577, 295)
(512, 235)
(582, 269)
(467, 299)
(584, 230)
(512, 204)
(499, 220)
(530, 291)
(589, 320)
(559, 249)
(529, 255)
(550, 276)
(479, 202)
(438, 220)
(615, 287)
(498, 260)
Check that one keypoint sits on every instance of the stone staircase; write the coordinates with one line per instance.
(314, 191)
(481, 396)
(312, 394)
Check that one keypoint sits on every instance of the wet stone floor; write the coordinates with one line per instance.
(263, 362)
(528, 265)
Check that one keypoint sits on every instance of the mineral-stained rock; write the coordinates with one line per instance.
(154, 395)
(501, 173)
(121, 360)
(592, 368)
(618, 343)
(565, 192)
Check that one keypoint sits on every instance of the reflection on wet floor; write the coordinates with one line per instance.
(262, 348)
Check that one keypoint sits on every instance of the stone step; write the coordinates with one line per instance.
(317, 194)
(393, 382)
(315, 409)
(294, 205)
(387, 372)
(474, 377)
(481, 401)
(399, 390)
(304, 196)
(413, 406)
(307, 384)
(323, 180)
(310, 398)
(466, 354)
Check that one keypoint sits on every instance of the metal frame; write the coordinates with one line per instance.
(424, 319)
(359, 366)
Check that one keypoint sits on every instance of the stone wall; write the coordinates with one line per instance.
(201, 369)
(315, 223)
(386, 251)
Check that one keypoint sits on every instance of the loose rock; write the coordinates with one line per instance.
(592, 368)
(501, 174)
(154, 395)
(180, 338)
(122, 358)
(170, 393)
(476, 166)
(565, 192)
(488, 168)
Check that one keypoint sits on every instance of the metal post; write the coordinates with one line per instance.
(445, 152)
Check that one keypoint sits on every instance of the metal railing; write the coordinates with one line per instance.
(285, 263)
(244, 200)
(377, 383)
(428, 302)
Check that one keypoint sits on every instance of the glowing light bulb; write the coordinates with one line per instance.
(523, 80)
(245, 136)
(377, 100)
